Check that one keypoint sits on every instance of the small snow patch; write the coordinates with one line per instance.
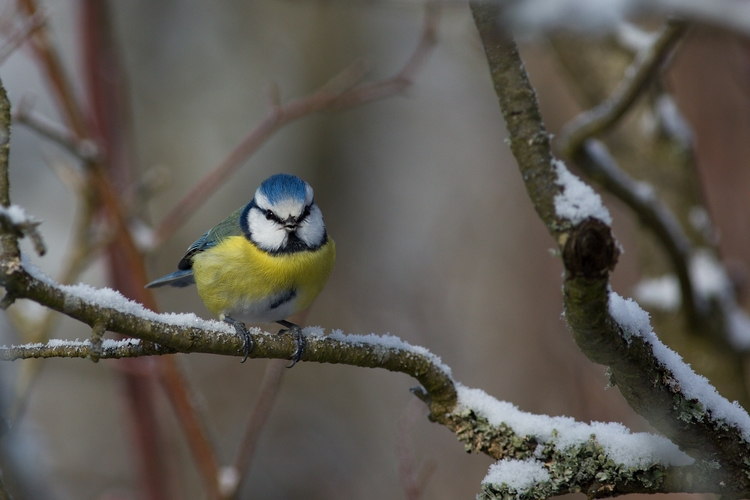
(389, 342)
(578, 201)
(16, 215)
(516, 474)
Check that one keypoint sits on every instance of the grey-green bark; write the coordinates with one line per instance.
(664, 159)
(589, 254)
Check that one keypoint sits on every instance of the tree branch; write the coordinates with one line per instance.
(482, 423)
(85, 149)
(596, 162)
(601, 460)
(269, 389)
(638, 78)
(187, 333)
(609, 330)
(9, 238)
(125, 259)
(18, 36)
(13, 219)
(109, 349)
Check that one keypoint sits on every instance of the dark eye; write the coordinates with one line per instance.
(269, 215)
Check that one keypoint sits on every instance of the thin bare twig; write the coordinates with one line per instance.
(125, 253)
(269, 388)
(85, 149)
(202, 449)
(18, 36)
(53, 69)
(339, 93)
(412, 482)
(405, 78)
(641, 73)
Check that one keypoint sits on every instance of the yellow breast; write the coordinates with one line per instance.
(235, 273)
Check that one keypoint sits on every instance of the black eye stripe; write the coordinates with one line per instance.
(269, 215)
(306, 213)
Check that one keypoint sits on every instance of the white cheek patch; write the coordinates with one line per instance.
(265, 233)
(312, 230)
(308, 194)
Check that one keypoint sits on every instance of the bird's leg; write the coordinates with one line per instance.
(299, 340)
(247, 340)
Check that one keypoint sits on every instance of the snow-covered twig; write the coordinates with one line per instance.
(188, 333)
(577, 145)
(14, 219)
(710, 315)
(109, 349)
(530, 17)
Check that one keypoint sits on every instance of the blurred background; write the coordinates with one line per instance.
(437, 240)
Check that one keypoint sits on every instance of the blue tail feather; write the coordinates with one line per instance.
(177, 279)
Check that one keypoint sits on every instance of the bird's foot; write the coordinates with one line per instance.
(299, 340)
(247, 341)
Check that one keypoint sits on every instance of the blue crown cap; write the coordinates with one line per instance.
(282, 186)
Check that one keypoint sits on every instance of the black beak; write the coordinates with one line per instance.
(290, 224)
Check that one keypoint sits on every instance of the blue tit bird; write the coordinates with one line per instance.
(265, 262)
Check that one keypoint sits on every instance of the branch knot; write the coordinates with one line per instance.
(590, 250)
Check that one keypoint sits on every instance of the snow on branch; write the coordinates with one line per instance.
(712, 285)
(604, 457)
(13, 219)
(700, 284)
(596, 161)
(577, 201)
(655, 382)
(530, 17)
(634, 322)
(187, 333)
(541, 456)
(109, 349)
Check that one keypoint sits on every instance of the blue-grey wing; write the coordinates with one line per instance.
(184, 276)
(224, 229)
(178, 279)
(199, 245)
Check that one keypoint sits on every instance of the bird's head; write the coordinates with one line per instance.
(283, 216)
